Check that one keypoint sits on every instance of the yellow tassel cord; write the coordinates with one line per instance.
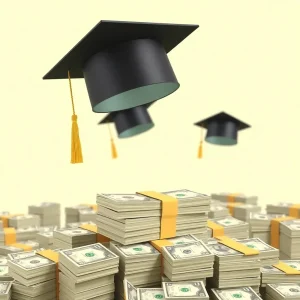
(114, 153)
(76, 152)
(200, 149)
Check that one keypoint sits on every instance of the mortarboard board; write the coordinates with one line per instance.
(129, 123)
(124, 64)
(222, 129)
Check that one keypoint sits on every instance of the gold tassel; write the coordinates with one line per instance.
(114, 153)
(200, 149)
(76, 152)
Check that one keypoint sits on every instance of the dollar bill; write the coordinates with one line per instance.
(184, 290)
(126, 197)
(31, 262)
(256, 243)
(5, 287)
(229, 221)
(286, 289)
(295, 264)
(150, 294)
(73, 232)
(185, 239)
(181, 194)
(130, 291)
(21, 255)
(3, 270)
(183, 251)
(292, 224)
(246, 293)
(136, 249)
(85, 255)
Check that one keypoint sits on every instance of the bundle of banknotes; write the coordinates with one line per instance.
(49, 213)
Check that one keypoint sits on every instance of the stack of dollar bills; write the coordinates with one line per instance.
(133, 218)
(234, 293)
(87, 215)
(66, 238)
(22, 234)
(49, 213)
(14, 248)
(268, 255)
(139, 263)
(78, 224)
(224, 197)
(32, 270)
(243, 211)
(45, 239)
(281, 208)
(72, 213)
(283, 291)
(43, 290)
(233, 268)
(87, 272)
(189, 261)
(260, 226)
(23, 254)
(233, 227)
(218, 211)
(290, 239)
(5, 290)
(24, 221)
(4, 270)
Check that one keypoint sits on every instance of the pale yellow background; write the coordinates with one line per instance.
(244, 59)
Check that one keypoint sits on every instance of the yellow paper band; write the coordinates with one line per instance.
(232, 206)
(54, 256)
(9, 235)
(217, 230)
(22, 246)
(92, 206)
(294, 211)
(4, 219)
(93, 228)
(231, 197)
(168, 215)
(286, 269)
(237, 246)
(158, 244)
(275, 230)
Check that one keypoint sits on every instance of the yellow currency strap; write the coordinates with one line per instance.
(231, 197)
(237, 246)
(232, 206)
(5, 219)
(93, 228)
(294, 211)
(217, 230)
(275, 230)
(168, 215)
(53, 256)
(9, 235)
(22, 246)
(92, 206)
(158, 244)
(286, 268)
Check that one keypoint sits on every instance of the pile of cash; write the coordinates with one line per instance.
(78, 224)
(190, 261)
(243, 211)
(6, 290)
(260, 226)
(132, 218)
(218, 211)
(87, 272)
(233, 227)
(66, 238)
(139, 263)
(87, 215)
(232, 268)
(43, 290)
(18, 247)
(23, 254)
(72, 213)
(268, 255)
(290, 239)
(45, 239)
(283, 291)
(4, 270)
(228, 197)
(281, 208)
(234, 293)
(49, 213)
(24, 221)
(22, 234)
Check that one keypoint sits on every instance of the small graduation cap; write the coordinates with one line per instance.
(129, 123)
(222, 129)
(124, 64)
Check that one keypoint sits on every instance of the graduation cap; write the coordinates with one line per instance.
(124, 64)
(129, 123)
(222, 129)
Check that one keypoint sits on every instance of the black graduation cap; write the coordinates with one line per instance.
(124, 64)
(222, 129)
(129, 123)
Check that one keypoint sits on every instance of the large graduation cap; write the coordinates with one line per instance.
(124, 64)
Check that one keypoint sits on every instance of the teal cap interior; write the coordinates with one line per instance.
(222, 141)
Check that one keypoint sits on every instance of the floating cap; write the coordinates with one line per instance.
(124, 64)
(129, 123)
(222, 129)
